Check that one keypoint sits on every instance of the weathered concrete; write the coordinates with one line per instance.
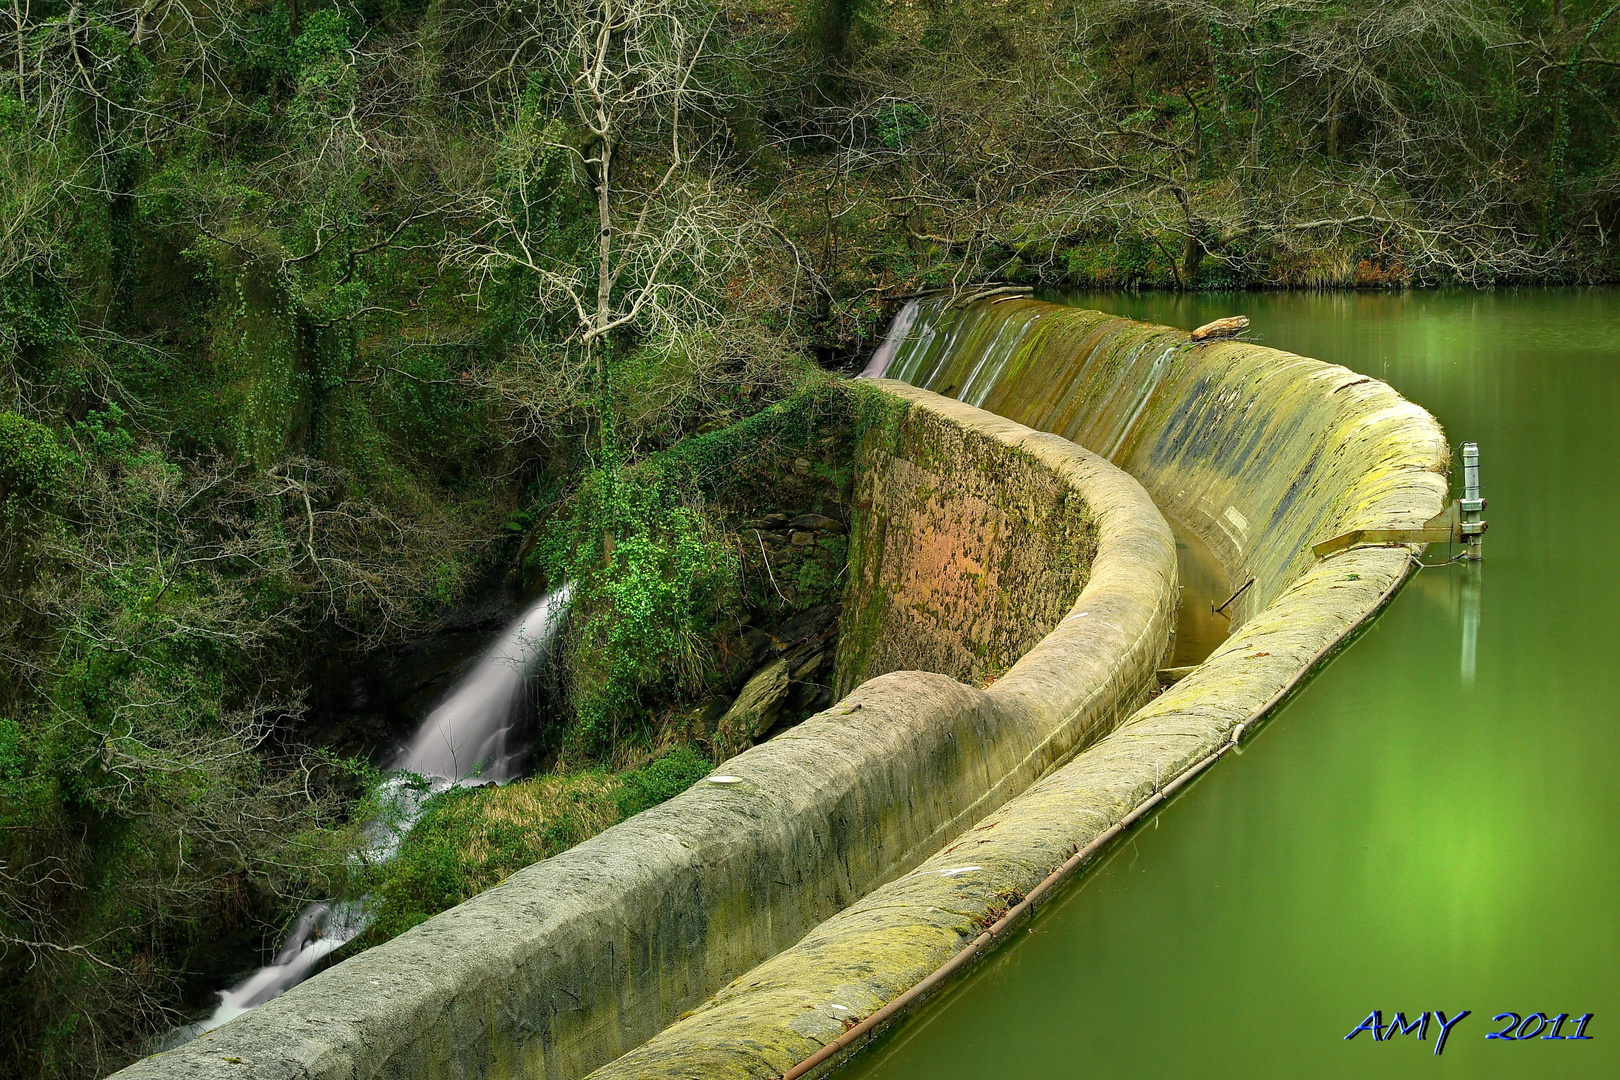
(581, 957)
(1262, 453)
(958, 564)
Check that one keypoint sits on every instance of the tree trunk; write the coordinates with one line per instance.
(1192, 246)
(1192, 257)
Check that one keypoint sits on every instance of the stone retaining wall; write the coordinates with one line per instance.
(958, 563)
(576, 960)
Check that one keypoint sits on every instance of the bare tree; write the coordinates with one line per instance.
(1278, 137)
(625, 125)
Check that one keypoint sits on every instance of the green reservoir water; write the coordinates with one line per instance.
(1433, 823)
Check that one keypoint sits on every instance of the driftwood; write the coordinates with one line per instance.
(1231, 326)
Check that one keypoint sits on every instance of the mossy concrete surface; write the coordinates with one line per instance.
(1261, 452)
(958, 563)
(577, 959)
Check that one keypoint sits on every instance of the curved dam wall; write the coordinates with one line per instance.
(578, 959)
(958, 564)
(1260, 452)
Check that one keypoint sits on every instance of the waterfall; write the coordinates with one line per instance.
(472, 732)
(320, 929)
(1089, 377)
(879, 364)
(471, 737)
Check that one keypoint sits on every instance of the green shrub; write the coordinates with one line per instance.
(660, 781)
(471, 839)
(657, 578)
(32, 464)
(652, 579)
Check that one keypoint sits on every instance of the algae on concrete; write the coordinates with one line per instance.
(1261, 453)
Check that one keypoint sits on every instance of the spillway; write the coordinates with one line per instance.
(1260, 454)
(1405, 834)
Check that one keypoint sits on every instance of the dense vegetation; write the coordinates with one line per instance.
(472, 838)
(312, 312)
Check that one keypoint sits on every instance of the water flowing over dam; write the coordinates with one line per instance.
(1392, 837)
(767, 922)
(1251, 472)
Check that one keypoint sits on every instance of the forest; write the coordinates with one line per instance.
(317, 317)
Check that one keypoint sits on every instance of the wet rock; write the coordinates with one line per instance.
(703, 720)
(364, 705)
(755, 711)
(808, 632)
(809, 667)
(756, 707)
(756, 641)
(804, 539)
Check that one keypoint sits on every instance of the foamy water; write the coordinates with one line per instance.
(878, 366)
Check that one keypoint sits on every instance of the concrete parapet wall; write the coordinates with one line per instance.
(1263, 453)
(803, 998)
(577, 959)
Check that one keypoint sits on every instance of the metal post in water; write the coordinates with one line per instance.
(1470, 620)
(1473, 527)
(1473, 532)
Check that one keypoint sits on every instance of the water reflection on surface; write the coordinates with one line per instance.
(1204, 587)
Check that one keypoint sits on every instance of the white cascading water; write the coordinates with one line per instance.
(472, 737)
(884, 356)
(319, 930)
(472, 732)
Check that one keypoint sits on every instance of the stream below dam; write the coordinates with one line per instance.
(1431, 824)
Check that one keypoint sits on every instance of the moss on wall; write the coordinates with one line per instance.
(962, 555)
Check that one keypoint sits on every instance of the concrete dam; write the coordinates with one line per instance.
(1011, 598)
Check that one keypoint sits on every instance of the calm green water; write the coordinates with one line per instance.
(1433, 823)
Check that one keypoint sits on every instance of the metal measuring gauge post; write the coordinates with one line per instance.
(1472, 504)
(1459, 523)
